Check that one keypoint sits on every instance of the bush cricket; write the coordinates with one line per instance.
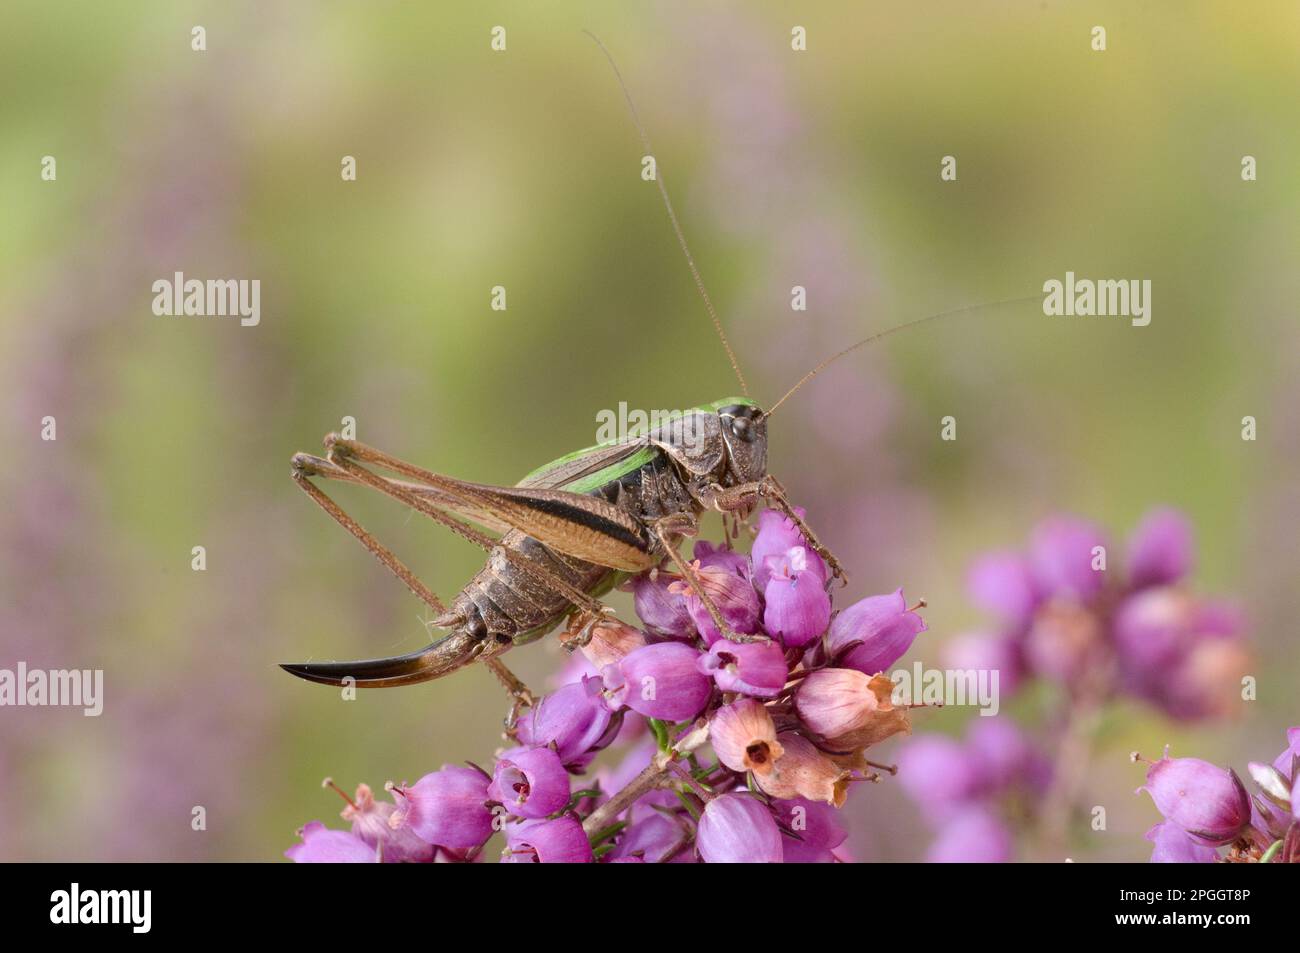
(572, 528)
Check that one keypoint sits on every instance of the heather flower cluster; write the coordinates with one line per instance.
(1068, 616)
(1207, 809)
(735, 749)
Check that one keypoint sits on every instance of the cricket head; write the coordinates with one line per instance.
(744, 432)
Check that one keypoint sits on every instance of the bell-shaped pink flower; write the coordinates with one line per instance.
(447, 808)
(811, 831)
(750, 668)
(530, 782)
(1174, 846)
(1208, 802)
(738, 829)
(573, 719)
(873, 633)
(320, 845)
(733, 597)
(776, 536)
(557, 841)
(743, 736)
(661, 607)
(659, 681)
(798, 607)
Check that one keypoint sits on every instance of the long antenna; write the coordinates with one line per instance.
(672, 216)
(888, 331)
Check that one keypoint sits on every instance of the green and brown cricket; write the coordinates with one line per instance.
(570, 530)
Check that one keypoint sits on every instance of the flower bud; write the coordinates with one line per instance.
(744, 738)
(738, 829)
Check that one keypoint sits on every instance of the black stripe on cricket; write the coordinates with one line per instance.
(571, 528)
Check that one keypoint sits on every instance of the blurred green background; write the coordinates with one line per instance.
(521, 168)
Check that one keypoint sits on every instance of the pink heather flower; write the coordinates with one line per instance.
(939, 774)
(655, 839)
(659, 681)
(573, 719)
(371, 822)
(810, 831)
(447, 808)
(974, 836)
(1061, 558)
(722, 557)
(661, 607)
(558, 841)
(320, 845)
(738, 829)
(744, 737)
(1206, 801)
(733, 597)
(530, 782)
(798, 607)
(776, 536)
(751, 668)
(1174, 846)
(873, 633)
(1160, 551)
(1002, 583)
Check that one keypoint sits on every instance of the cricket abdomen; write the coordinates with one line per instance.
(505, 602)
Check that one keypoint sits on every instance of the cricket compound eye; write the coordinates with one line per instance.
(743, 428)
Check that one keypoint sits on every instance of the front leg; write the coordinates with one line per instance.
(685, 525)
(731, 499)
